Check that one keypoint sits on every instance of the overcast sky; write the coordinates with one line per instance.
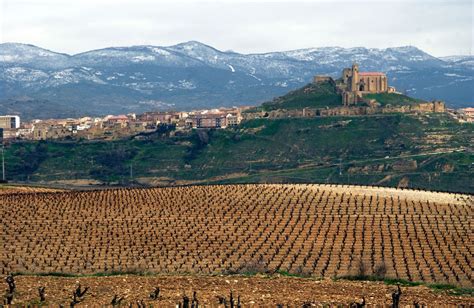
(439, 27)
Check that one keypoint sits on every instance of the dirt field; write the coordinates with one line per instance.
(253, 291)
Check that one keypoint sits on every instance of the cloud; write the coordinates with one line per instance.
(438, 27)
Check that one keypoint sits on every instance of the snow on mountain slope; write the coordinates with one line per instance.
(120, 56)
(192, 74)
(30, 55)
(459, 60)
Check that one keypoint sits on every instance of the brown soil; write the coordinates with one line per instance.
(256, 291)
(7, 190)
(77, 182)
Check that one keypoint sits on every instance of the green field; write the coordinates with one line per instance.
(428, 151)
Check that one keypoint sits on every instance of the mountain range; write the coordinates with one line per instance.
(35, 82)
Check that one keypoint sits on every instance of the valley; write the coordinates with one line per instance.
(426, 151)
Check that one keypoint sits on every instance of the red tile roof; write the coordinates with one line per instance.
(371, 74)
(118, 118)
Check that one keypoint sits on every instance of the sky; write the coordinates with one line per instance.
(439, 27)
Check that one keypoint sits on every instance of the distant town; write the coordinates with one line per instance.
(113, 127)
(116, 126)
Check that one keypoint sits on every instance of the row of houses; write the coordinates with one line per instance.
(116, 126)
(216, 118)
(463, 115)
(467, 114)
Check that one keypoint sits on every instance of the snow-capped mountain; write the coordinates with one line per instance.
(32, 56)
(459, 60)
(193, 75)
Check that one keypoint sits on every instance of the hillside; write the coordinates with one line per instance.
(393, 99)
(37, 109)
(311, 230)
(193, 75)
(313, 95)
(429, 151)
(323, 95)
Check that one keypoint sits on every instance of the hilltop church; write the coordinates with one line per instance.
(354, 84)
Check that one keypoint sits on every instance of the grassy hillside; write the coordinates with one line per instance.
(324, 95)
(314, 95)
(393, 99)
(425, 151)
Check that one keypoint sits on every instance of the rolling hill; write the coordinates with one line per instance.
(429, 151)
(313, 95)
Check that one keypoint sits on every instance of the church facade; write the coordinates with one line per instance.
(355, 83)
(364, 82)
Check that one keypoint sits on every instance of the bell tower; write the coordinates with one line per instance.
(355, 77)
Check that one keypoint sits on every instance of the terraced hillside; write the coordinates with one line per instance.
(426, 151)
(313, 230)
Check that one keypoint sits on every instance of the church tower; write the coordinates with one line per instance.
(355, 77)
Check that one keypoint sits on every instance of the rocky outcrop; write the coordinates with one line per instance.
(405, 165)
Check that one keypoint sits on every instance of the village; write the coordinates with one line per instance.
(351, 87)
(113, 127)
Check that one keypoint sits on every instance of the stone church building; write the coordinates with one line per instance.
(354, 84)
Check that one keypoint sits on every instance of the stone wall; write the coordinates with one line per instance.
(428, 107)
(321, 78)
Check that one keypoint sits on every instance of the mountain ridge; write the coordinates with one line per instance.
(411, 47)
(192, 74)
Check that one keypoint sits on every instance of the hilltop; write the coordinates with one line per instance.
(324, 95)
(313, 95)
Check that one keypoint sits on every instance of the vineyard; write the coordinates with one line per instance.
(7, 190)
(307, 230)
(261, 291)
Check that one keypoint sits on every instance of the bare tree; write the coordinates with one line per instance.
(116, 301)
(41, 291)
(396, 297)
(155, 294)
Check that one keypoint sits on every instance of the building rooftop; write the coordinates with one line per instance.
(371, 74)
(119, 117)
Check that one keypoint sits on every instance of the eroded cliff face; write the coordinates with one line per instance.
(426, 107)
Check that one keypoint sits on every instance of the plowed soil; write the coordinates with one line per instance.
(8, 190)
(253, 291)
(314, 230)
